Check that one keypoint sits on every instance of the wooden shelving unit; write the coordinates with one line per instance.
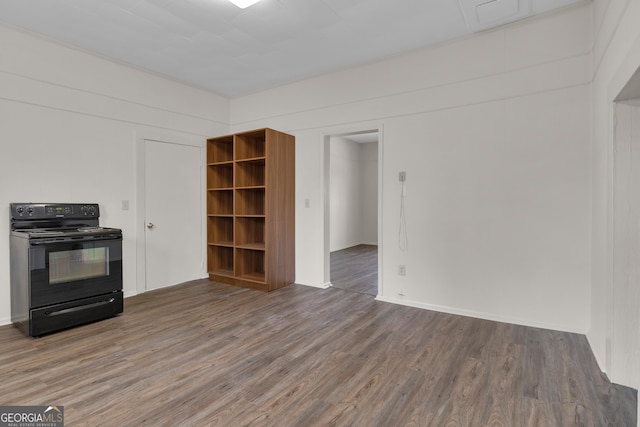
(251, 209)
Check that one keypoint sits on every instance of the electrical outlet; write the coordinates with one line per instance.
(402, 176)
(402, 270)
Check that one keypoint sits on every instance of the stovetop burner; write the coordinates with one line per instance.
(91, 229)
(70, 220)
(67, 232)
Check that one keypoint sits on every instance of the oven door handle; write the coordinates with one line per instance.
(79, 308)
(77, 239)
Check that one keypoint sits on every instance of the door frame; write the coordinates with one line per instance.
(140, 197)
(326, 178)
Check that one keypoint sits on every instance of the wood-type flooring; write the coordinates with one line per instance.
(206, 354)
(355, 269)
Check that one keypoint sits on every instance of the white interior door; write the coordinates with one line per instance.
(173, 214)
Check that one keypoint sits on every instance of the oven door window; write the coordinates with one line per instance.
(65, 271)
(78, 264)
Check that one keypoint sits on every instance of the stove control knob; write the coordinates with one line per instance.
(88, 210)
(20, 210)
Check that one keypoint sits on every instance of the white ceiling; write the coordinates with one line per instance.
(215, 45)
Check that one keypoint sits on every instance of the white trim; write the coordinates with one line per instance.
(141, 273)
(326, 208)
(479, 315)
(326, 285)
(326, 215)
(380, 210)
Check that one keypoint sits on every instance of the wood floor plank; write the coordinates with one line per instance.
(355, 269)
(504, 381)
(206, 354)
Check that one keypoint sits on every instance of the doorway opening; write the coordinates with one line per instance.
(353, 211)
(623, 297)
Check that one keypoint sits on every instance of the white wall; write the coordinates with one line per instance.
(353, 193)
(616, 56)
(493, 132)
(69, 126)
(344, 190)
(369, 193)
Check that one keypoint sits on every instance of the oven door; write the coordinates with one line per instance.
(67, 270)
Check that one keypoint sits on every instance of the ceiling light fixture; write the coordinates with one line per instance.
(244, 3)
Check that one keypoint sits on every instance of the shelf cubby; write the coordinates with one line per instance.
(220, 150)
(250, 145)
(250, 265)
(220, 176)
(249, 201)
(250, 233)
(220, 260)
(220, 202)
(250, 173)
(220, 230)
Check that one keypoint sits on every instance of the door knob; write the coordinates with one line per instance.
(150, 225)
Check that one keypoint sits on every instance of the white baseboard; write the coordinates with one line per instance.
(315, 285)
(479, 315)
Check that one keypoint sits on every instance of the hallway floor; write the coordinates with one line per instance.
(355, 269)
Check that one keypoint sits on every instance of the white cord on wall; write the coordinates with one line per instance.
(403, 240)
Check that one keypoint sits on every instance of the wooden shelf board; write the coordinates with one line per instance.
(226, 244)
(252, 187)
(222, 272)
(252, 246)
(252, 277)
(228, 162)
(250, 159)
